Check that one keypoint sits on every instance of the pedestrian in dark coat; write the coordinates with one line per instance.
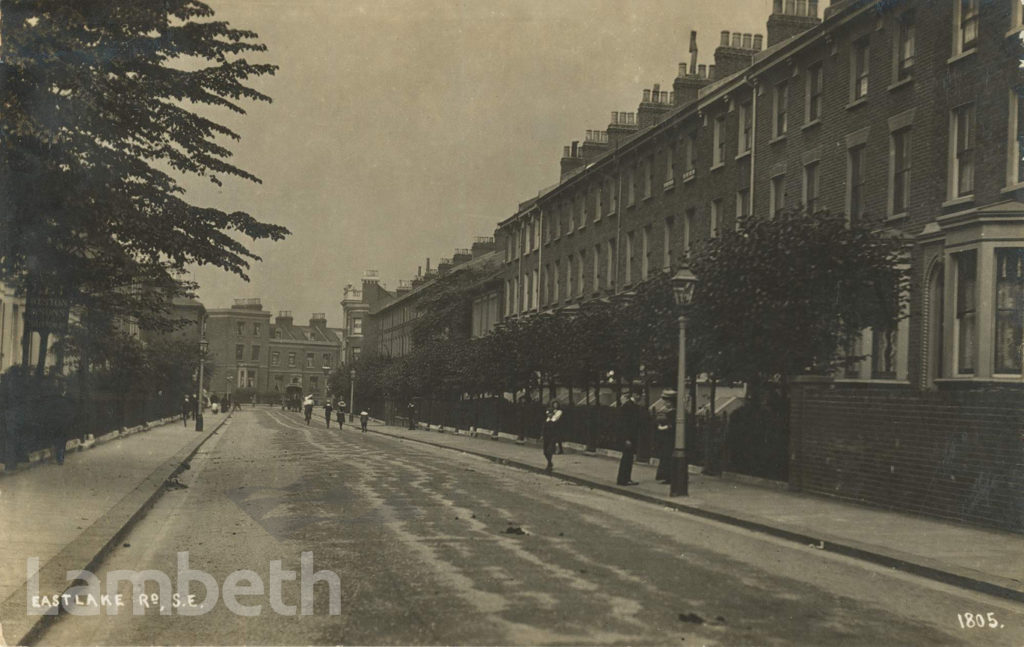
(410, 410)
(340, 412)
(631, 420)
(62, 422)
(328, 409)
(553, 420)
(663, 411)
(186, 408)
(364, 418)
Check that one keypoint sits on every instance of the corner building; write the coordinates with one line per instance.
(901, 111)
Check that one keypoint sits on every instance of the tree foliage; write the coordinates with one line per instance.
(785, 296)
(104, 105)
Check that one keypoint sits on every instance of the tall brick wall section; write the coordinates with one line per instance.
(951, 454)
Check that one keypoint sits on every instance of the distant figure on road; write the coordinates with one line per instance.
(307, 407)
(663, 411)
(364, 417)
(328, 409)
(551, 431)
(340, 412)
(236, 405)
(631, 419)
(186, 408)
(410, 410)
(253, 399)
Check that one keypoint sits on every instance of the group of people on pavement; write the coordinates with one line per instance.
(632, 419)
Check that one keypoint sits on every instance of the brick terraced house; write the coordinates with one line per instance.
(904, 111)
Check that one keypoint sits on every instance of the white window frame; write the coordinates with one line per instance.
(688, 218)
(598, 201)
(811, 186)
(777, 195)
(894, 156)
(780, 110)
(1014, 152)
(611, 271)
(718, 137)
(856, 153)
(954, 169)
(645, 249)
(670, 169)
(647, 169)
(860, 69)
(814, 80)
(597, 268)
(629, 258)
(581, 272)
(667, 250)
(961, 45)
(906, 38)
(745, 121)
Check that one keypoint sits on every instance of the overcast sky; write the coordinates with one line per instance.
(402, 129)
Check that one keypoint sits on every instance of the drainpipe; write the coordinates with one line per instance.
(540, 256)
(753, 137)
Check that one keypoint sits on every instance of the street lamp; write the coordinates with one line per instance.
(204, 345)
(327, 372)
(683, 284)
(352, 395)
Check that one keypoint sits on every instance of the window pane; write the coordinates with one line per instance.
(883, 354)
(966, 270)
(1009, 342)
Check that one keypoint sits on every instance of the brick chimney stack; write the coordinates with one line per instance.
(482, 245)
(735, 55)
(653, 107)
(620, 128)
(572, 159)
(791, 17)
(691, 79)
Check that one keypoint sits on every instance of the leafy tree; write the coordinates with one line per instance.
(103, 113)
(783, 296)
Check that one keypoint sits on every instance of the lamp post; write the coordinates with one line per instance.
(683, 284)
(327, 372)
(204, 345)
(227, 388)
(352, 395)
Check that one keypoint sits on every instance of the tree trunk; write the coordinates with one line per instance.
(26, 349)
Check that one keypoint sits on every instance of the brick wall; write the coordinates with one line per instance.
(956, 454)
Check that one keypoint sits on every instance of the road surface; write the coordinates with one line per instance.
(431, 546)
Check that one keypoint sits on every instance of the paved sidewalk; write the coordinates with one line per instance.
(988, 561)
(66, 515)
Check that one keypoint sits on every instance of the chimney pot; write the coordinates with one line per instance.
(575, 147)
(565, 153)
(747, 41)
(682, 69)
(647, 96)
(758, 42)
(737, 40)
(702, 71)
(711, 71)
(776, 6)
(725, 39)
